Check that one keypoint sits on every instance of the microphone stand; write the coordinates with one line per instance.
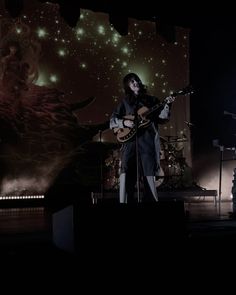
(101, 165)
(137, 152)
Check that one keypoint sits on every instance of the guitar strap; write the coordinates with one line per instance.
(130, 109)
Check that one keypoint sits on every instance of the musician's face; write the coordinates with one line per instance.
(12, 49)
(134, 86)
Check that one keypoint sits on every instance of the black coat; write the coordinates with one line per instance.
(148, 137)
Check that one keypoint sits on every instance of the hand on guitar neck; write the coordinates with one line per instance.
(169, 99)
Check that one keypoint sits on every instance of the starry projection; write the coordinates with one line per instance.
(92, 58)
(51, 68)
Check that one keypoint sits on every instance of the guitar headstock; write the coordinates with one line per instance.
(187, 90)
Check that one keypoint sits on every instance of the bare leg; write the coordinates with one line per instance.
(123, 195)
(152, 186)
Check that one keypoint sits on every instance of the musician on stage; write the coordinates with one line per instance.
(140, 133)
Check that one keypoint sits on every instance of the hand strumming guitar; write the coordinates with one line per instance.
(128, 123)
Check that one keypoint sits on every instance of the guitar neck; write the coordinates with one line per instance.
(155, 108)
(160, 105)
(125, 134)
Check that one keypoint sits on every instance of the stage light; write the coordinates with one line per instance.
(3, 198)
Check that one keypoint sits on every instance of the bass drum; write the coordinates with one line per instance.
(112, 170)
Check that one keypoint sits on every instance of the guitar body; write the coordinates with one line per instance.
(143, 121)
(125, 134)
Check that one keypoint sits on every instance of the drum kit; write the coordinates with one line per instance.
(110, 166)
(172, 160)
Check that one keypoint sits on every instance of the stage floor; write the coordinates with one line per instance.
(76, 236)
(29, 230)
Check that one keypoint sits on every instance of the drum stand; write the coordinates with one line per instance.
(101, 165)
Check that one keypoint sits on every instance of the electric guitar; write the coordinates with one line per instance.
(126, 133)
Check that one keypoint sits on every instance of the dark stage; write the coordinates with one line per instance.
(74, 243)
(89, 233)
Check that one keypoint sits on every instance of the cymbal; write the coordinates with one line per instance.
(171, 136)
(178, 140)
(163, 139)
(106, 136)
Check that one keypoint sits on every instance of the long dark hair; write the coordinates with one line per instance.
(130, 97)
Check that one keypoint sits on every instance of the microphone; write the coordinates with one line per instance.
(189, 124)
